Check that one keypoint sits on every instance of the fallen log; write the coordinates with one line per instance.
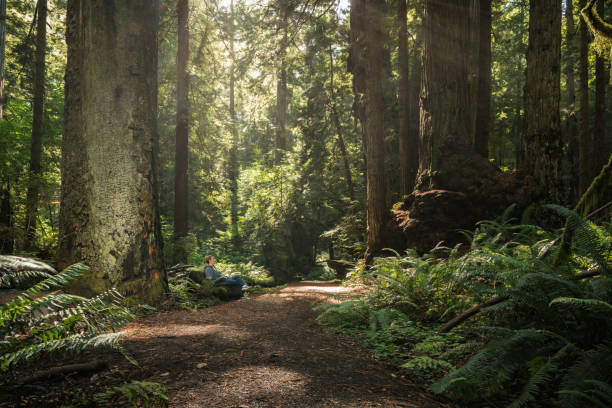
(56, 372)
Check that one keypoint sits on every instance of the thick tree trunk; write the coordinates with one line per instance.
(445, 117)
(233, 154)
(109, 215)
(543, 145)
(181, 161)
(281, 87)
(602, 79)
(2, 51)
(456, 187)
(407, 143)
(38, 106)
(483, 113)
(374, 110)
(571, 125)
(584, 145)
(336, 118)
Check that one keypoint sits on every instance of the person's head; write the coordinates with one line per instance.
(210, 260)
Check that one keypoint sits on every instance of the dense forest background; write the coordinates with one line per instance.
(452, 157)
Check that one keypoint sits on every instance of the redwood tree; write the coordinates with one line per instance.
(543, 145)
(483, 109)
(182, 132)
(407, 143)
(37, 124)
(109, 208)
(374, 124)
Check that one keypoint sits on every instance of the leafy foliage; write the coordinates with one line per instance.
(136, 394)
(548, 343)
(43, 320)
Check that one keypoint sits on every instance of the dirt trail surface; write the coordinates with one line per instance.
(266, 351)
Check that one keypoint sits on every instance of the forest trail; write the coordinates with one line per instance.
(266, 351)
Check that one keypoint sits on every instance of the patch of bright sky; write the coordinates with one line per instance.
(342, 9)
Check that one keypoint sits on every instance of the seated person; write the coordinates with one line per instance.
(212, 273)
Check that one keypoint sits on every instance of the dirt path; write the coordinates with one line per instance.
(266, 351)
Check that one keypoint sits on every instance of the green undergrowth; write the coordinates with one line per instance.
(44, 322)
(545, 344)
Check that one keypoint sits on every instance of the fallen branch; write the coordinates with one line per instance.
(471, 312)
(498, 299)
(53, 373)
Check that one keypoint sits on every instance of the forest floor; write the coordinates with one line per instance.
(265, 351)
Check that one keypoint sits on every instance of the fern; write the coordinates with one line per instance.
(137, 394)
(36, 323)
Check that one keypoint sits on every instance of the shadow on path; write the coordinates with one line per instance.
(267, 351)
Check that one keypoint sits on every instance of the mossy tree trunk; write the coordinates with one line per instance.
(599, 130)
(38, 106)
(181, 158)
(2, 51)
(584, 145)
(377, 212)
(109, 209)
(571, 125)
(543, 144)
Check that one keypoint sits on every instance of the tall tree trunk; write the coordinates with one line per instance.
(357, 67)
(543, 145)
(336, 118)
(407, 143)
(374, 111)
(2, 52)
(584, 146)
(599, 131)
(445, 117)
(38, 106)
(181, 160)
(483, 113)
(6, 217)
(281, 85)
(109, 215)
(571, 128)
(233, 154)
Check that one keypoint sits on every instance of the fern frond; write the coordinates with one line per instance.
(590, 305)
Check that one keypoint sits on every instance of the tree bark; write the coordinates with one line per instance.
(543, 145)
(2, 52)
(483, 113)
(181, 161)
(356, 66)
(571, 125)
(336, 118)
(407, 143)
(584, 145)
(445, 116)
(109, 216)
(281, 85)
(6, 217)
(38, 107)
(374, 111)
(599, 131)
(233, 154)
